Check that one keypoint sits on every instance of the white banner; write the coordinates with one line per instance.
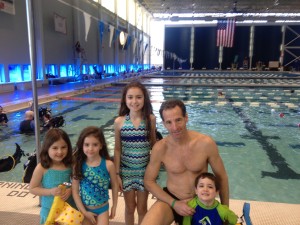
(134, 45)
(87, 24)
(125, 38)
(111, 34)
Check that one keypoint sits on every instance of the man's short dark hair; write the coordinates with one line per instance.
(170, 104)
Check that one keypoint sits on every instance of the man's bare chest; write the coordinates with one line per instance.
(180, 163)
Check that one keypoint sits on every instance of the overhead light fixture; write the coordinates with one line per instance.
(226, 15)
(122, 38)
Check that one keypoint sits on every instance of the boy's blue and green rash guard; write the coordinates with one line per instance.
(216, 214)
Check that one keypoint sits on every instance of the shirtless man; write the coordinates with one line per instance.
(185, 154)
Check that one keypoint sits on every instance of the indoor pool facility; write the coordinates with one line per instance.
(256, 130)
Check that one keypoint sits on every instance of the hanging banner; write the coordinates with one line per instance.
(141, 46)
(146, 46)
(117, 35)
(125, 38)
(101, 31)
(128, 42)
(111, 34)
(8, 6)
(134, 44)
(87, 24)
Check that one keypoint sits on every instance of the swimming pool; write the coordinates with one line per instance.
(260, 149)
(226, 78)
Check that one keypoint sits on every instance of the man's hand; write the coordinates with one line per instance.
(183, 209)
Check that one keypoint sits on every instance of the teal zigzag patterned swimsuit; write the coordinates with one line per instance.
(135, 155)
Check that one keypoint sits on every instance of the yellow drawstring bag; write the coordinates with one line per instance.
(69, 216)
(62, 213)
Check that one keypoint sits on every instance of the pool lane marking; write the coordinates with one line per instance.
(276, 159)
(91, 99)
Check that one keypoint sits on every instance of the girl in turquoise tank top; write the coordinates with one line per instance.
(92, 175)
(54, 169)
(134, 137)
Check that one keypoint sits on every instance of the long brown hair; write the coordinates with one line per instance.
(54, 135)
(80, 157)
(147, 109)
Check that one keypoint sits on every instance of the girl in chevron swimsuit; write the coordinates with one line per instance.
(134, 138)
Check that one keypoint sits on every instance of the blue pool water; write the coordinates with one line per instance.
(260, 150)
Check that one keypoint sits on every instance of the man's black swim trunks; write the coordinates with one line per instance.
(178, 218)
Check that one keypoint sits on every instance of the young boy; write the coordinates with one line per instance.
(208, 209)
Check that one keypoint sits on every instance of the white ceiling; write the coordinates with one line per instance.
(221, 6)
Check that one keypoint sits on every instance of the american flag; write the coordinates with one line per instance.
(225, 32)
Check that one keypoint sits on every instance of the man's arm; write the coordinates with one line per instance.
(217, 166)
(152, 172)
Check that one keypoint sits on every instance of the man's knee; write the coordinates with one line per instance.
(160, 212)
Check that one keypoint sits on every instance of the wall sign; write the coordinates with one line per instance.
(7, 6)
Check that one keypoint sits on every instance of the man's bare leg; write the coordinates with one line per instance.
(160, 213)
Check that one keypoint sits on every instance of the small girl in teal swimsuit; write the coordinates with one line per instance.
(135, 134)
(54, 169)
(92, 174)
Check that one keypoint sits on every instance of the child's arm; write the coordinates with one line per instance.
(117, 152)
(227, 215)
(153, 129)
(75, 193)
(35, 186)
(114, 187)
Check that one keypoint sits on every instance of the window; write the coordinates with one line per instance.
(14, 72)
(109, 4)
(26, 73)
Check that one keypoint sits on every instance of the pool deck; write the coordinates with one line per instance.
(20, 207)
(20, 99)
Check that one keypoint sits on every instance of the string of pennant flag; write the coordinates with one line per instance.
(114, 34)
(225, 36)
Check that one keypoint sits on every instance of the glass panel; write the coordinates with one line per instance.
(85, 69)
(2, 76)
(51, 69)
(109, 4)
(71, 70)
(63, 70)
(131, 12)
(27, 72)
(139, 19)
(121, 7)
(145, 23)
(14, 72)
